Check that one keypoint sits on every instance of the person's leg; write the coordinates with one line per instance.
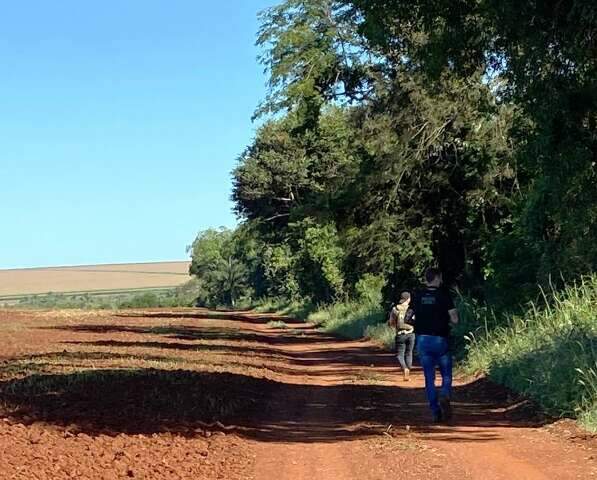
(408, 354)
(427, 357)
(400, 350)
(445, 368)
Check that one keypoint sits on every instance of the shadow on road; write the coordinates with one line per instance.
(148, 400)
(223, 315)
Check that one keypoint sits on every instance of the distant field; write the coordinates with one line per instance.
(93, 278)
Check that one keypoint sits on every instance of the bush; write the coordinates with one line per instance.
(299, 309)
(549, 354)
(348, 319)
(143, 300)
(369, 288)
(382, 334)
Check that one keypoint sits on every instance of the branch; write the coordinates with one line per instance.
(279, 215)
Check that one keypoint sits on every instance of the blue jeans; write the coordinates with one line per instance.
(434, 351)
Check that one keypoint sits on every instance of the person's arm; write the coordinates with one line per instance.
(452, 312)
(392, 318)
(408, 316)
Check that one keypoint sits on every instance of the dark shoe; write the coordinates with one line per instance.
(437, 417)
(446, 408)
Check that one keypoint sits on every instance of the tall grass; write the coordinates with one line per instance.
(548, 353)
(351, 319)
(354, 320)
(299, 309)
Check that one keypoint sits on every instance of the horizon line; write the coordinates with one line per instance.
(55, 267)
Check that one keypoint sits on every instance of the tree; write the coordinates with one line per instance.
(215, 262)
(404, 173)
(420, 132)
(314, 56)
(544, 56)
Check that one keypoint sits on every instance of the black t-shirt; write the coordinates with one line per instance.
(431, 306)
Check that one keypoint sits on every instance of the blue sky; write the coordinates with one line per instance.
(120, 123)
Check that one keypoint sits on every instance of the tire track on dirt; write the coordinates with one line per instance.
(491, 438)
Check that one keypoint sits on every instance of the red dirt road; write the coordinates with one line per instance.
(196, 394)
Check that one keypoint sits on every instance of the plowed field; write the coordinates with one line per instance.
(192, 394)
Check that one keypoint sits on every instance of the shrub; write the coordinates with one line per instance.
(348, 319)
(369, 288)
(548, 353)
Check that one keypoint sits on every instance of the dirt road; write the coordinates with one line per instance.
(133, 395)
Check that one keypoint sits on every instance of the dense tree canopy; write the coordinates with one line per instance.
(544, 55)
(409, 133)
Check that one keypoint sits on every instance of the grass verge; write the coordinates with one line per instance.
(547, 353)
(354, 320)
(298, 309)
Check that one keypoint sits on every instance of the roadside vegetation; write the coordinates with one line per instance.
(183, 296)
(548, 351)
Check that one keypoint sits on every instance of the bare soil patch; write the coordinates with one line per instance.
(197, 394)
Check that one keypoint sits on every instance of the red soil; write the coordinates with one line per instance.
(194, 394)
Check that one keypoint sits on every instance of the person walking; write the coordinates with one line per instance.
(405, 338)
(434, 313)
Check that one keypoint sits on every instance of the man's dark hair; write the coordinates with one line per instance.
(431, 274)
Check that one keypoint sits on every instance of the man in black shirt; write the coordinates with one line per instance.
(434, 313)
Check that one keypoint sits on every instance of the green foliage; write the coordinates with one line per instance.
(286, 174)
(348, 319)
(540, 59)
(320, 261)
(369, 289)
(279, 265)
(466, 139)
(216, 262)
(272, 174)
(313, 55)
(549, 354)
(398, 190)
(382, 334)
(183, 296)
(406, 174)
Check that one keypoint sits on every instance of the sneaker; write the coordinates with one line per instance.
(437, 417)
(446, 408)
(406, 374)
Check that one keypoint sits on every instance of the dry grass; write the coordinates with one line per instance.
(93, 278)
